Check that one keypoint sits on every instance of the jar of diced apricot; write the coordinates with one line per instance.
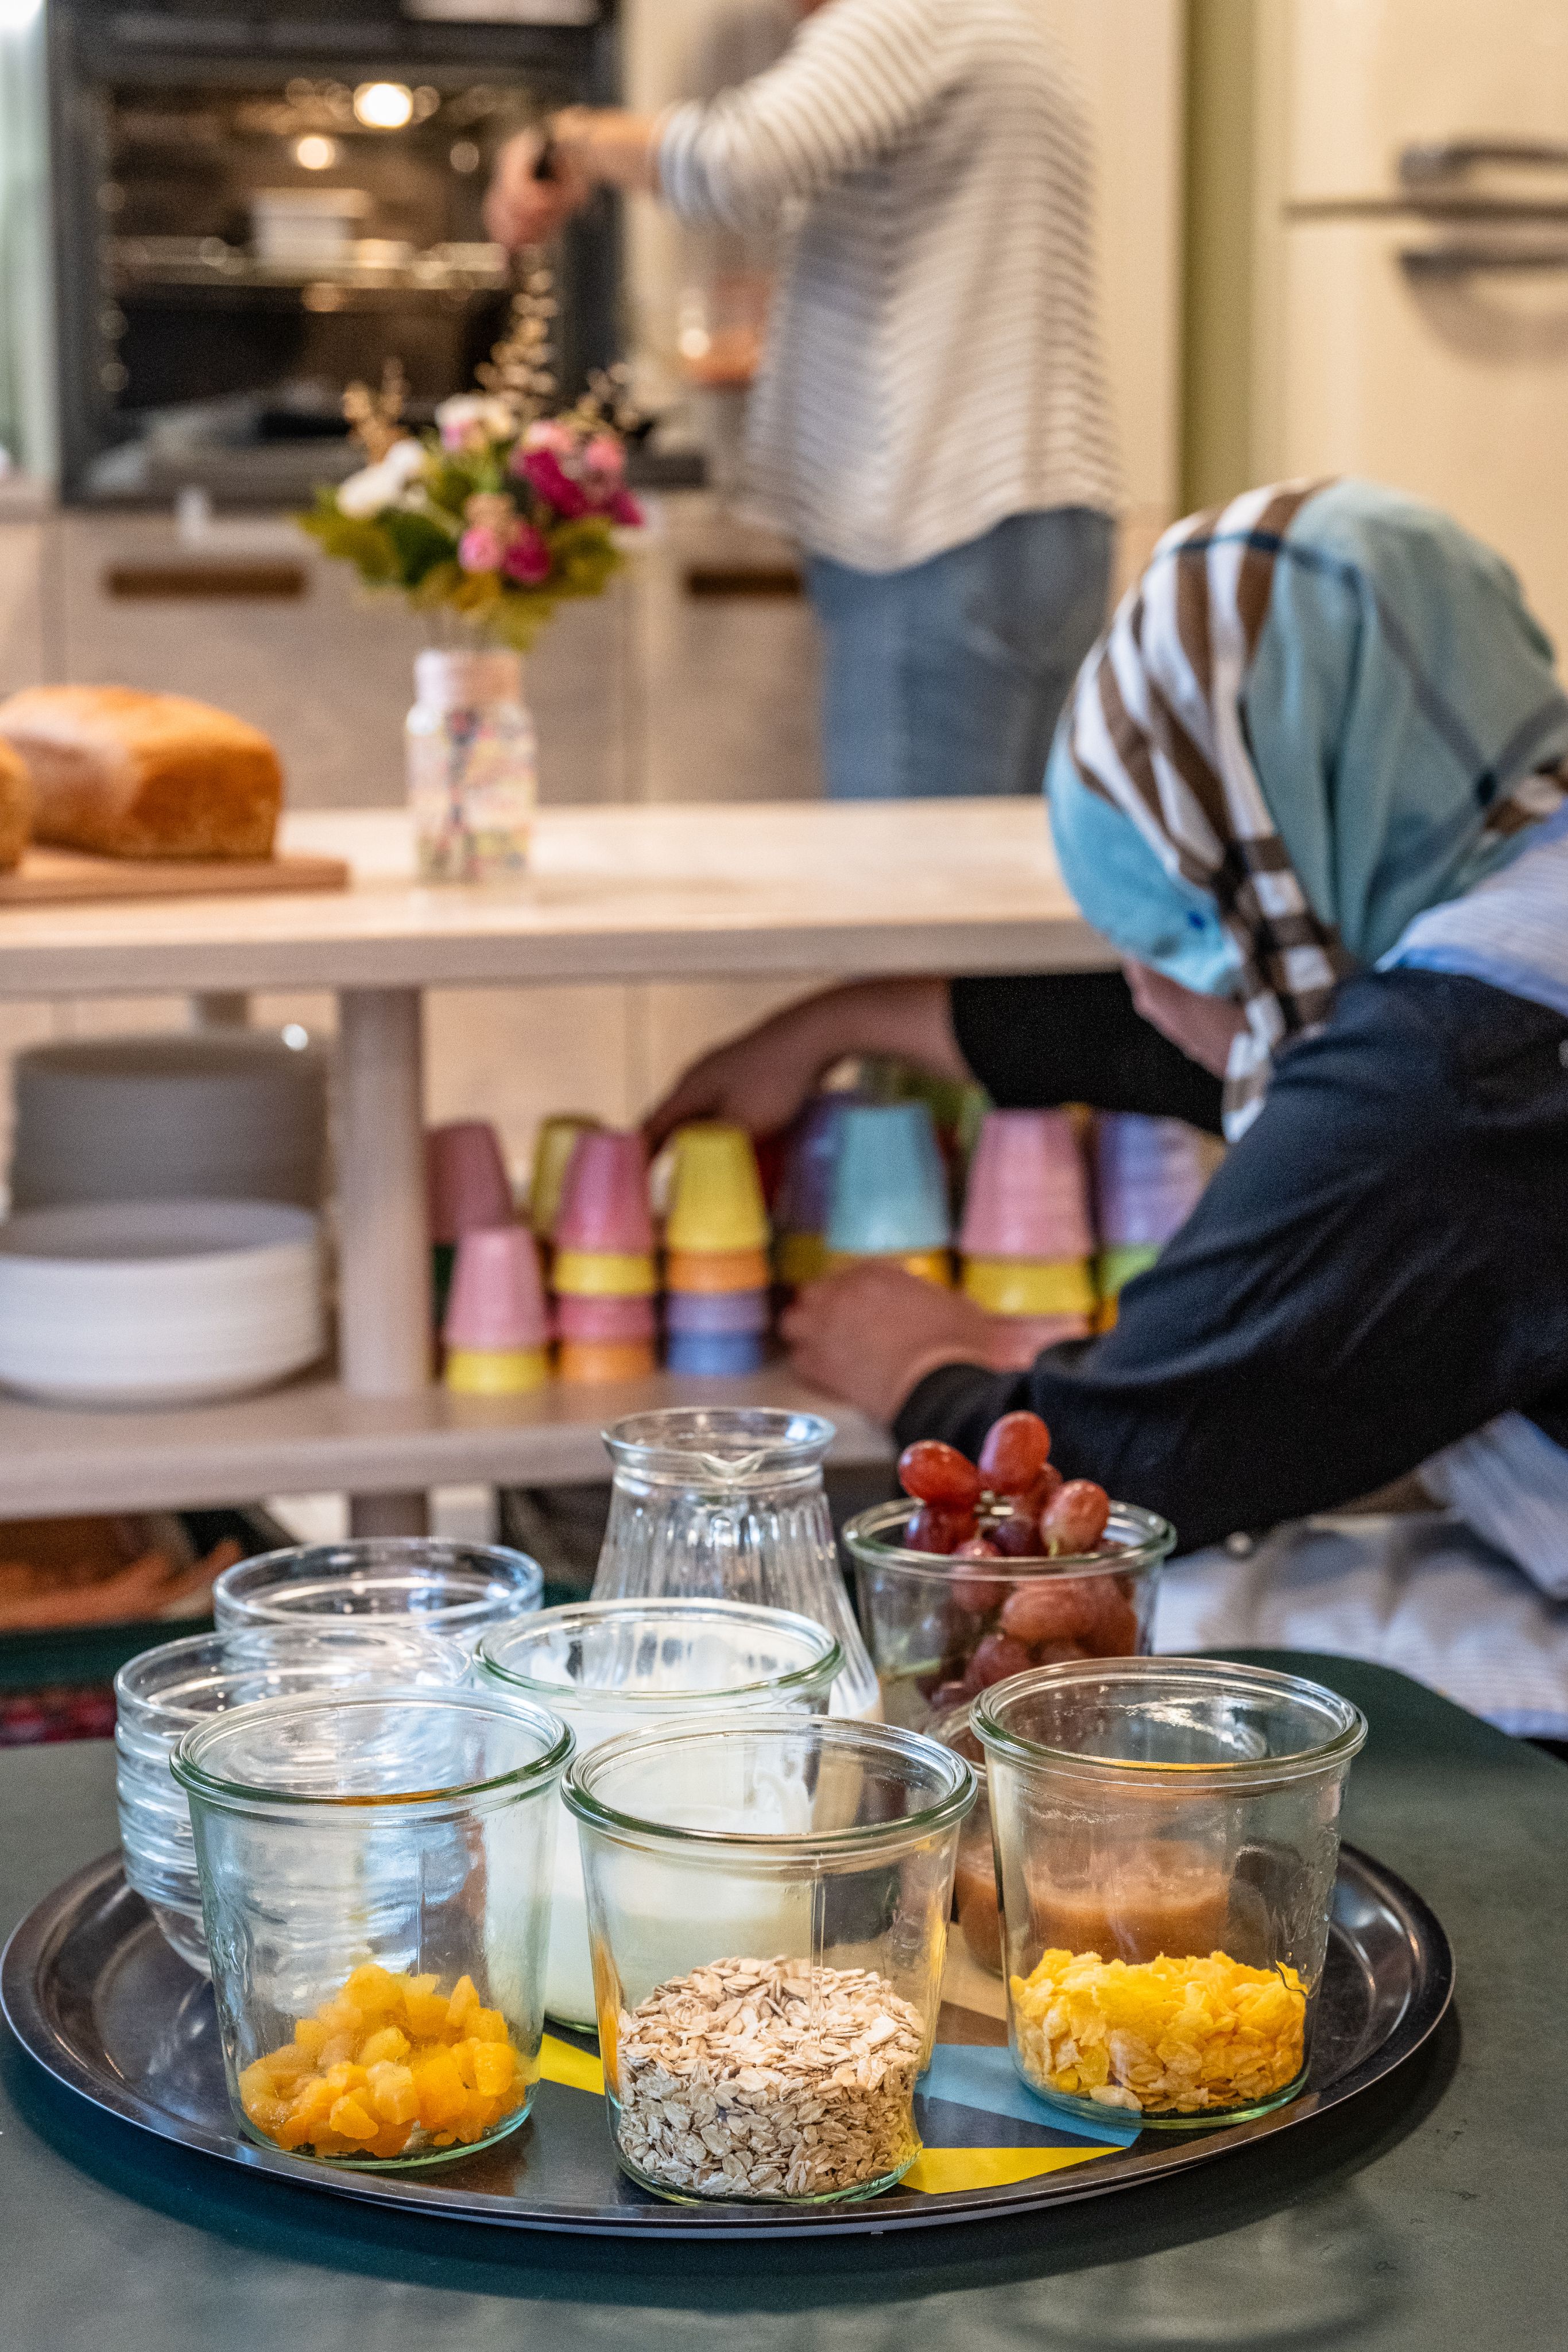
(376, 1880)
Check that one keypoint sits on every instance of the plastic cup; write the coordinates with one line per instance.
(553, 1148)
(716, 1198)
(716, 1315)
(714, 1271)
(1006, 1285)
(592, 1361)
(717, 1358)
(1149, 1174)
(605, 1198)
(605, 1319)
(496, 1372)
(799, 1258)
(927, 1266)
(604, 1274)
(466, 1184)
(805, 1196)
(497, 1297)
(1028, 1196)
(890, 1187)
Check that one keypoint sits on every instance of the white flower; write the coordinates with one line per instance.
(471, 417)
(375, 487)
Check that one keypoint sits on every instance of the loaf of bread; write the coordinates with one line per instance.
(144, 775)
(16, 807)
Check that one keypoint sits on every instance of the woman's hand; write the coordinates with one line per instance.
(1204, 1027)
(520, 209)
(871, 1333)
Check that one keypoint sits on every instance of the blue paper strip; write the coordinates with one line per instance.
(965, 2075)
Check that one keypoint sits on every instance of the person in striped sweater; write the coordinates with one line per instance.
(931, 424)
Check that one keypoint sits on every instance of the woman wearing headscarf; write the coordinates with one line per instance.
(1311, 787)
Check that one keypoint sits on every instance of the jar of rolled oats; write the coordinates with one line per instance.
(768, 1901)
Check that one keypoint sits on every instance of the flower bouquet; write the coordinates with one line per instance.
(491, 519)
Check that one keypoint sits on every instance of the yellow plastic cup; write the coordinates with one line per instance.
(553, 1148)
(715, 1194)
(603, 1274)
(935, 1266)
(1026, 1285)
(799, 1258)
(496, 1371)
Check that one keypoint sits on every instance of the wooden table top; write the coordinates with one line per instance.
(646, 892)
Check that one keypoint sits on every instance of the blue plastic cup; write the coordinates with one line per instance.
(890, 1186)
(718, 1357)
(716, 1314)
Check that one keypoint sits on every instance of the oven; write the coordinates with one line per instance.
(257, 202)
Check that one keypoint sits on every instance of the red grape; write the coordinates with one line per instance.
(996, 1656)
(934, 1473)
(979, 1595)
(929, 1529)
(1074, 1519)
(1053, 1609)
(1015, 1537)
(1044, 1491)
(1056, 1654)
(954, 1692)
(1115, 1632)
(1014, 1453)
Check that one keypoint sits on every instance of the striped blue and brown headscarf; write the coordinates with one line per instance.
(1321, 709)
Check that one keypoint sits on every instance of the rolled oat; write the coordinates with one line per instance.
(768, 2078)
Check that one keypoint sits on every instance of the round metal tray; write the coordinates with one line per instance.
(91, 1991)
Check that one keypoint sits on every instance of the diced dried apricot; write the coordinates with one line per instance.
(351, 2117)
(442, 2091)
(494, 2063)
(425, 2014)
(464, 1997)
(311, 2036)
(341, 2015)
(390, 2042)
(374, 1989)
(391, 2140)
(486, 2025)
(393, 2093)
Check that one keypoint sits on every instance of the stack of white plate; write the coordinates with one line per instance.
(215, 1115)
(158, 1302)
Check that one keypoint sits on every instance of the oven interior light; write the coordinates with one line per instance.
(314, 153)
(383, 105)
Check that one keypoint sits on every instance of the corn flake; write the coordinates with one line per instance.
(1160, 2037)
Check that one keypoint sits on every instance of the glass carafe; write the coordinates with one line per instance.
(728, 1502)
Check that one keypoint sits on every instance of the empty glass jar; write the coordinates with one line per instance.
(1166, 1834)
(941, 1629)
(728, 1504)
(611, 1666)
(768, 1900)
(165, 1692)
(455, 1588)
(375, 1883)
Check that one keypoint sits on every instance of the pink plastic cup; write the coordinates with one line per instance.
(605, 1319)
(604, 1199)
(497, 1297)
(466, 1180)
(1028, 1194)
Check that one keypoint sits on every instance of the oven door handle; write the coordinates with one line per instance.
(1429, 161)
(1463, 260)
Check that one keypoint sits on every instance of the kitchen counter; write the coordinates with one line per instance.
(1427, 2213)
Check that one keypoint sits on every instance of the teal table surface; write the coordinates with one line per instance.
(1431, 2213)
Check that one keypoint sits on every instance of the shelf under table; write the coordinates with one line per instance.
(313, 1436)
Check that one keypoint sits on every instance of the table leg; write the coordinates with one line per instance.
(384, 1250)
(221, 1008)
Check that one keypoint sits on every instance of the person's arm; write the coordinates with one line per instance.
(759, 1080)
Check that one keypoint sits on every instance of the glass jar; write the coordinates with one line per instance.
(472, 767)
(1166, 1834)
(941, 1629)
(728, 1502)
(977, 1904)
(612, 1667)
(768, 1900)
(375, 1883)
(163, 1693)
(457, 1588)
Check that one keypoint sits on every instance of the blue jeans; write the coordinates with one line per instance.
(948, 678)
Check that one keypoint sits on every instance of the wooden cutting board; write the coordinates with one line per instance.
(63, 878)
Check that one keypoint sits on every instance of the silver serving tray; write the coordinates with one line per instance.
(91, 1991)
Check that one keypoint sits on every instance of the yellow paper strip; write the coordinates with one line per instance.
(939, 2171)
(579, 2070)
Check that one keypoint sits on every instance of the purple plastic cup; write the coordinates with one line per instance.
(806, 1194)
(605, 1319)
(1149, 1174)
(467, 1187)
(497, 1299)
(716, 1314)
(1028, 1194)
(716, 1358)
(604, 1199)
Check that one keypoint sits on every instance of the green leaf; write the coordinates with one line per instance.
(419, 543)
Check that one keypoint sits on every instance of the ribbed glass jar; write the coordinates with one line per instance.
(456, 1588)
(728, 1502)
(472, 767)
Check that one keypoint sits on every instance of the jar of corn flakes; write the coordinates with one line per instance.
(1166, 1834)
(376, 1873)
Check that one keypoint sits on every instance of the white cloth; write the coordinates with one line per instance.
(1422, 1593)
(933, 361)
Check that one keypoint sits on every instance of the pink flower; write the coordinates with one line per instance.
(624, 508)
(543, 472)
(604, 455)
(545, 432)
(527, 559)
(480, 548)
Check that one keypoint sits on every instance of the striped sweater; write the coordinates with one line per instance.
(934, 362)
